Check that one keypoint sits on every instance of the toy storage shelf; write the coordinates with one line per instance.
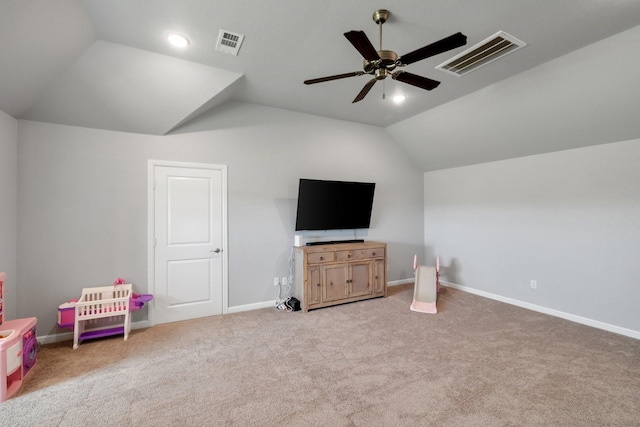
(99, 333)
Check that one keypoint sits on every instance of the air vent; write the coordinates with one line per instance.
(495, 47)
(229, 42)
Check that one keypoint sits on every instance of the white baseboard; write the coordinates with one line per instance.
(47, 339)
(68, 336)
(249, 307)
(572, 317)
(272, 304)
(401, 282)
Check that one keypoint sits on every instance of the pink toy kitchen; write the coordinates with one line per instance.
(18, 349)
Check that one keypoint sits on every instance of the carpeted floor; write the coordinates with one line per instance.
(477, 362)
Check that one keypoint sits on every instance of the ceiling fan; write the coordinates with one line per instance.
(382, 63)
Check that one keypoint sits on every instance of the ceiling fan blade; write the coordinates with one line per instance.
(365, 90)
(447, 43)
(361, 42)
(415, 80)
(336, 77)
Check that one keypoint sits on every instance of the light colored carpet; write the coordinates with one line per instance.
(477, 362)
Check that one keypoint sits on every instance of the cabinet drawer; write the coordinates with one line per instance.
(345, 255)
(320, 257)
(370, 253)
(360, 254)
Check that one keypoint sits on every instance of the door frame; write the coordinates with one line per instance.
(151, 280)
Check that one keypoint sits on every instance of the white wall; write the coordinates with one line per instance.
(570, 220)
(83, 198)
(8, 209)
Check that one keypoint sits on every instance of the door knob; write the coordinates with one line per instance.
(216, 250)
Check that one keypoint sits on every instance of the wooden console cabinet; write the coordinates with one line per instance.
(337, 273)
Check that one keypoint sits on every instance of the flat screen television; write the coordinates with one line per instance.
(334, 205)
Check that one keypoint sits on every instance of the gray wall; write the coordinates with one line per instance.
(8, 209)
(83, 198)
(569, 220)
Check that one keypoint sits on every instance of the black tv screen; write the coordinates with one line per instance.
(334, 205)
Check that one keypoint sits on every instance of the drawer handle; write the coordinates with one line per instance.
(374, 254)
(321, 258)
(349, 256)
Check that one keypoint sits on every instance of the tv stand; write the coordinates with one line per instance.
(335, 242)
(331, 273)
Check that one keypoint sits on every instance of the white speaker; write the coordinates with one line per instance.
(298, 240)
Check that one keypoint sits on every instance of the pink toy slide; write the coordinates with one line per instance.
(425, 289)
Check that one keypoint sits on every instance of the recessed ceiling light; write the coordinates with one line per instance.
(177, 39)
(399, 99)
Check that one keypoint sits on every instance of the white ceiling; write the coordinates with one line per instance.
(105, 63)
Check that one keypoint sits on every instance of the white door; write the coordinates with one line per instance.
(189, 254)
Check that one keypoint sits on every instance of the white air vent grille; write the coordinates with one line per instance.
(490, 49)
(229, 42)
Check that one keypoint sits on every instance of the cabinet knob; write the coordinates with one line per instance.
(374, 254)
(321, 258)
(349, 256)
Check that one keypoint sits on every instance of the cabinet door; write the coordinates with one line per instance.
(379, 277)
(334, 282)
(313, 286)
(360, 275)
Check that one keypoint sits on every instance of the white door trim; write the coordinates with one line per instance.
(151, 165)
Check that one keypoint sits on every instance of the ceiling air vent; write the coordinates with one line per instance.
(495, 47)
(229, 42)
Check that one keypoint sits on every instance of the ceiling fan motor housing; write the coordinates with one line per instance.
(388, 61)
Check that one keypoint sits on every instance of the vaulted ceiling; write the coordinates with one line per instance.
(107, 65)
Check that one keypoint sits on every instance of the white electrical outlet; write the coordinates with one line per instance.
(534, 284)
(276, 281)
(285, 280)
